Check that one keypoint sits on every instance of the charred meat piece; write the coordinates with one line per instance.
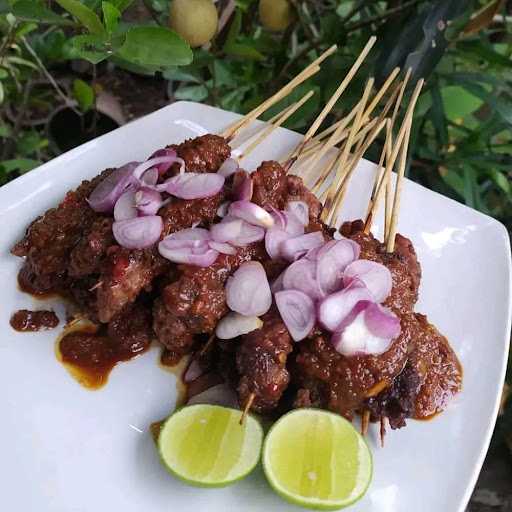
(342, 383)
(48, 242)
(182, 213)
(397, 402)
(196, 301)
(261, 362)
(203, 154)
(91, 250)
(124, 275)
(34, 284)
(270, 185)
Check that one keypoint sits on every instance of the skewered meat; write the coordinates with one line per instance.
(196, 301)
(270, 185)
(261, 362)
(203, 154)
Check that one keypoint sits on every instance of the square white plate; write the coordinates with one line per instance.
(66, 449)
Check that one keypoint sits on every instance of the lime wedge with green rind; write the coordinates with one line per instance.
(205, 445)
(317, 459)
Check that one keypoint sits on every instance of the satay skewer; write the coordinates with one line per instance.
(365, 422)
(335, 97)
(269, 129)
(247, 407)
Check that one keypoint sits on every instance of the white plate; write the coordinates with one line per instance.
(67, 449)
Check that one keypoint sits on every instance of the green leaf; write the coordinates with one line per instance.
(157, 47)
(29, 142)
(18, 164)
(234, 29)
(224, 74)
(2, 93)
(25, 28)
(111, 16)
(34, 11)
(84, 94)
(192, 93)
(454, 181)
(501, 180)
(89, 47)
(87, 17)
(184, 74)
(121, 5)
(458, 102)
(5, 129)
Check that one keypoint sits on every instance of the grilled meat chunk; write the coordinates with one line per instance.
(261, 362)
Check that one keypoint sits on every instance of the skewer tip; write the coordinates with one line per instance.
(247, 407)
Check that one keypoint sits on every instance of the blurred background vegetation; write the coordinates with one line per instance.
(73, 69)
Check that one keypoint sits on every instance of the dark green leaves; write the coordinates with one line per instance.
(111, 15)
(88, 47)
(86, 16)
(237, 48)
(34, 11)
(156, 47)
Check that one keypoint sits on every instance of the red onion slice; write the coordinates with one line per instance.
(148, 201)
(138, 233)
(297, 311)
(294, 226)
(222, 247)
(150, 177)
(221, 394)
(248, 291)
(125, 206)
(229, 167)
(234, 325)
(237, 232)
(277, 284)
(251, 213)
(104, 196)
(375, 276)
(190, 234)
(335, 308)
(192, 372)
(222, 210)
(243, 186)
(279, 218)
(301, 275)
(152, 162)
(165, 166)
(332, 260)
(192, 185)
(357, 339)
(190, 252)
(273, 240)
(300, 210)
(298, 246)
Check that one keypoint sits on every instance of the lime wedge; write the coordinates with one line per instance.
(206, 446)
(317, 459)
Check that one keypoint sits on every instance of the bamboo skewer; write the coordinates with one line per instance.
(309, 71)
(365, 422)
(353, 164)
(335, 97)
(247, 407)
(390, 240)
(383, 420)
(268, 130)
(346, 148)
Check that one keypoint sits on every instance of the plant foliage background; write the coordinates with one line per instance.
(54, 53)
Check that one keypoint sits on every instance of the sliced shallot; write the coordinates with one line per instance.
(192, 372)
(165, 166)
(236, 232)
(295, 247)
(222, 247)
(139, 171)
(190, 234)
(191, 252)
(297, 311)
(273, 240)
(235, 324)
(192, 185)
(248, 291)
(147, 201)
(138, 233)
(104, 196)
(251, 213)
(332, 259)
(125, 207)
(357, 338)
(375, 276)
(335, 308)
(221, 394)
(229, 167)
(301, 275)
(150, 177)
(222, 210)
(242, 186)
(300, 210)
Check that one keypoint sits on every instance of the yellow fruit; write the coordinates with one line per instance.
(194, 20)
(276, 15)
